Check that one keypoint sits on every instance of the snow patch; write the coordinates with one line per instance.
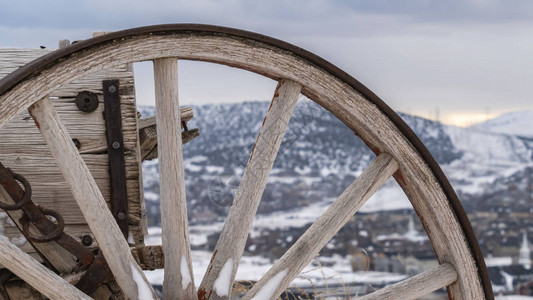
(268, 290)
(131, 240)
(185, 273)
(143, 290)
(222, 283)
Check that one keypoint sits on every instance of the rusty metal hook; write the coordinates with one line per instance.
(26, 199)
(49, 237)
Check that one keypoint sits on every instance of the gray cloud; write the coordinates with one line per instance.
(417, 54)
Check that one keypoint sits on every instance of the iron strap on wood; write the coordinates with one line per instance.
(115, 146)
(37, 216)
(96, 266)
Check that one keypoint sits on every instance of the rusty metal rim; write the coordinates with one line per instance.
(35, 67)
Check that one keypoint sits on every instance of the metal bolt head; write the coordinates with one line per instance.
(121, 216)
(112, 88)
(87, 240)
(87, 102)
(115, 145)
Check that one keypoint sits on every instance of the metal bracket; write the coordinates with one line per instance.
(115, 146)
(35, 215)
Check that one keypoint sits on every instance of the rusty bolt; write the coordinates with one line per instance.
(87, 102)
(87, 240)
(115, 145)
(121, 216)
(112, 88)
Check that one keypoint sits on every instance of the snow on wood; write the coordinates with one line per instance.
(223, 282)
(268, 290)
(241, 215)
(185, 273)
(144, 291)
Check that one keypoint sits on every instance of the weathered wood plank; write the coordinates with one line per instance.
(186, 114)
(148, 133)
(60, 258)
(323, 229)
(24, 150)
(418, 285)
(149, 257)
(91, 202)
(37, 275)
(178, 282)
(232, 240)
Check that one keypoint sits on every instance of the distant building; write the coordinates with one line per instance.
(525, 253)
(514, 278)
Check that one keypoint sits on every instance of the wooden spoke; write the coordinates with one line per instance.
(35, 274)
(278, 278)
(178, 282)
(223, 266)
(91, 202)
(417, 286)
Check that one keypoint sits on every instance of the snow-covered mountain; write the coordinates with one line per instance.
(516, 123)
(491, 171)
(320, 156)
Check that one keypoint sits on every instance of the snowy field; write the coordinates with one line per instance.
(254, 267)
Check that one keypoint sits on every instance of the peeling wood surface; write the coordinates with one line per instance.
(186, 114)
(24, 150)
(37, 275)
(149, 257)
(148, 133)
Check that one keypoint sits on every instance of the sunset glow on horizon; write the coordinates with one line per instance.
(460, 119)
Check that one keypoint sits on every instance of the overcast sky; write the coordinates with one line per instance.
(465, 58)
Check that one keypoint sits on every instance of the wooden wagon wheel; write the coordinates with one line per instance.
(399, 153)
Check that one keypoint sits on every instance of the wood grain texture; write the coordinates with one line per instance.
(148, 133)
(358, 113)
(37, 275)
(417, 286)
(186, 114)
(60, 258)
(230, 245)
(24, 150)
(178, 282)
(149, 147)
(90, 200)
(149, 257)
(327, 225)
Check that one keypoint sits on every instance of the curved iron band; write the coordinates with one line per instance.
(26, 199)
(54, 235)
(35, 67)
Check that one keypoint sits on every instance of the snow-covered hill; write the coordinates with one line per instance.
(320, 157)
(515, 123)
